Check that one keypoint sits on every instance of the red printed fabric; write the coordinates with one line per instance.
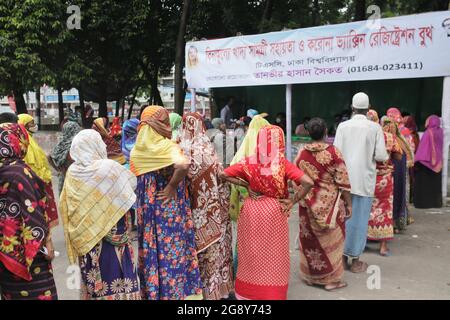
(23, 222)
(381, 223)
(268, 170)
(322, 213)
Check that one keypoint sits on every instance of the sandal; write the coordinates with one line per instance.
(385, 253)
(335, 286)
(359, 267)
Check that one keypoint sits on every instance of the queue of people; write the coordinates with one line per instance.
(205, 228)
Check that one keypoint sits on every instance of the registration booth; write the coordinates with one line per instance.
(406, 47)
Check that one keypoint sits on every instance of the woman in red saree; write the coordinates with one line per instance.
(381, 223)
(323, 211)
(263, 231)
(112, 146)
(210, 204)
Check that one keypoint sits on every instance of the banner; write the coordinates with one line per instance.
(415, 46)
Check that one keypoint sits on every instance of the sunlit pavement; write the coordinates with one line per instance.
(419, 267)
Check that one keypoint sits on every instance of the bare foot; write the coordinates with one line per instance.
(384, 250)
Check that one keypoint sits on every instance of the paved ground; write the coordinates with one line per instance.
(418, 268)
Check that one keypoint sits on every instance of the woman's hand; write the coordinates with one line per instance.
(348, 214)
(168, 194)
(253, 194)
(286, 206)
(50, 250)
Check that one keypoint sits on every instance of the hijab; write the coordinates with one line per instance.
(154, 148)
(97, 193)
(36, 157)
(129, 135)
(430, 148)
(61, 150)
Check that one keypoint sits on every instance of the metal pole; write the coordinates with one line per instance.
(446, 127)
(193, 100)
(289, 122)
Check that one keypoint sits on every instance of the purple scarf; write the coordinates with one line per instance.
(430, 149)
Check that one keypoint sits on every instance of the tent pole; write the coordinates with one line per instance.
(193, 100)
(446, 127)
(289, 122)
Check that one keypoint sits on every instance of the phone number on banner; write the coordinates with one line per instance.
(386, 67)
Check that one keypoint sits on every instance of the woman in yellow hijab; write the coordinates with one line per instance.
(37, 159)
(168, 263)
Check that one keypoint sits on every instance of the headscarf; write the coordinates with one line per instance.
(36, 157)
(23, 222)
(112, 146)
(267, 166)
(129, 135)
(61, 150)
(175, 121)
(116, 128)
(406, 138)
(154, 148)
(372, 115)
(248, 145)
(97, 193)
(247, 148)
(391, 127)
(196, 144)
(217, 122)
(410, 123)
(203, 173)
(252, 112)
(430, 148)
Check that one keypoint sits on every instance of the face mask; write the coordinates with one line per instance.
(33, 129)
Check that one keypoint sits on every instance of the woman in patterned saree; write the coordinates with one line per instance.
(381, 223)
(113, 148)
(210, 204)
(25, 244)
(168, 264)
(323, 211)
(60, 156)
(95, 202)
(38, 162)
(263, 231)
(405, 139)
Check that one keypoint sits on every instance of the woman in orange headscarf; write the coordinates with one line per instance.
(112, 146)
(263, 230)
(168, 263)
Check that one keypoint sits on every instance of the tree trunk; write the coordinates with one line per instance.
(83, 110)
(118, 104)
(360, 10)
(38, 107)
(60, 105)
(130, 111)
(103, 104)
(103, 108)
(316, 13)
(267, 14)
(179, 59)
(122, 116)
(155, 97)
(21, 106)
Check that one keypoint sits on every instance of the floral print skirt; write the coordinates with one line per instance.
(168, 263)
(108, 271)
